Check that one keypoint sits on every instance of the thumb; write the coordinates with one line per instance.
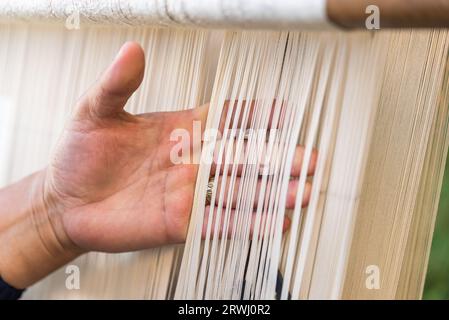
(109, 95)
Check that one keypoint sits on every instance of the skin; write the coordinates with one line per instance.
(110, 185)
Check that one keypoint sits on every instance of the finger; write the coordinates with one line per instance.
(222, 229)
(293, 192)
(290, 201)
(121, 79)
(298, 160)
(182, 119)
(296, 166)
(202, 111)
(242, 119)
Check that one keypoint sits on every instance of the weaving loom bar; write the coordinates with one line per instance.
(267, 14)
(247, 14)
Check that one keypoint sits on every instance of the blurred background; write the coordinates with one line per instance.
(437, 282)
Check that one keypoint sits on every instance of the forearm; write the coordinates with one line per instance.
(32, 239)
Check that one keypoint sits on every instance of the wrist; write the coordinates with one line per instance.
(47, 218)
(32, 237)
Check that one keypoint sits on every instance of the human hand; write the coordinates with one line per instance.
(116, 188)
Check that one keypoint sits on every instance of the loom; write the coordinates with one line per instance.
(374, 104)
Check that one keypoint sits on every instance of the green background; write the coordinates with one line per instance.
(437, 282)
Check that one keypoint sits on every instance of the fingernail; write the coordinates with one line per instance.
(121, 51)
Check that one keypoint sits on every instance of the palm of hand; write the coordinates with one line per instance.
(117, 172)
